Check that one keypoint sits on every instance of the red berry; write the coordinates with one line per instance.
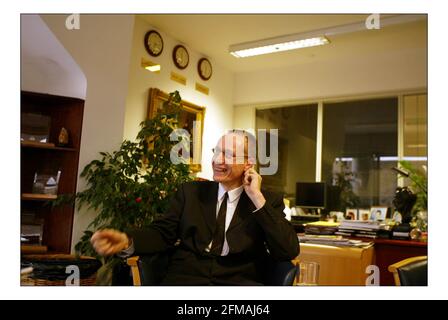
(138, 200)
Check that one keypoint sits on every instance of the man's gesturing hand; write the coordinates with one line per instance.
(108, 242)
(252, 186)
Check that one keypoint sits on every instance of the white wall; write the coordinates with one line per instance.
(102, 48)
(46, 66)
(219, 106)
(389, 71)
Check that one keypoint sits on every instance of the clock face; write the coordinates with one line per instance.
(153, 43)
(204, 69)
(180, 57)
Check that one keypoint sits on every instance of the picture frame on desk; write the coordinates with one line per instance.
(351, 214)
(337, 216)
(378, 213)
(364, 214)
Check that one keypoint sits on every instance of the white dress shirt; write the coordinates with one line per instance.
(232, 202)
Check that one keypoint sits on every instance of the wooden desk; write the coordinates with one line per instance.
(388, 252)
(345, 266)
(338, 266)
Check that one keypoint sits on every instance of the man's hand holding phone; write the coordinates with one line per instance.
(252, 186)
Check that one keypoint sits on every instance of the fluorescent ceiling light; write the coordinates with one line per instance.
(278, 47)
(311, 38)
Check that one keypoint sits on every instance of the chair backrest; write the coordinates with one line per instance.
(281, 273)
(411, 272)
(152, 269)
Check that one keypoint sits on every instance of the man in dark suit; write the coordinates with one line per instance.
(228, 230)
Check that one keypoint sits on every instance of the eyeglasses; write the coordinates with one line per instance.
(227, 156)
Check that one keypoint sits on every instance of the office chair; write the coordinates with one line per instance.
(410, 272)
(149, 270)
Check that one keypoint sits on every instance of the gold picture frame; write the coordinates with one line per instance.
(190, 112)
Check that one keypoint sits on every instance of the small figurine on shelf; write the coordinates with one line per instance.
(63, 138)
(404, 201)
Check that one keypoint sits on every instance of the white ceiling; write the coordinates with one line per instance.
(211, 35)
(46, 66)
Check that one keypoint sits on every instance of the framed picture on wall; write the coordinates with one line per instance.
(189, 114)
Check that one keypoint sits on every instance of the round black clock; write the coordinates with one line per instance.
(205, 69)
(180, 56)
(153, 43)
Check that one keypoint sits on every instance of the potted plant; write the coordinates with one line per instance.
(132, 185)
(419, 186)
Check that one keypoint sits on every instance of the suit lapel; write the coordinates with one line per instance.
(208, 198)
(243, 209)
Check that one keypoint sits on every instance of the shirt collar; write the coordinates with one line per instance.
(233, 194)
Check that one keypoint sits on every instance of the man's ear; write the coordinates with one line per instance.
(248, 165)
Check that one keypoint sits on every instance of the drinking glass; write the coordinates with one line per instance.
(309, 273)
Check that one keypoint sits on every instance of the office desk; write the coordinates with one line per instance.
(388, 252)
(338, 266)
(346, 266)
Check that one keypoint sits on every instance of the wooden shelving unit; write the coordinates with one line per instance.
(39, 145)
(48, 158)
(38, 197)
(33, 249)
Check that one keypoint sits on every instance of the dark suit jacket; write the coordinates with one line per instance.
(191, 219)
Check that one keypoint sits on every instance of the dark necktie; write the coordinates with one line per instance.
(218, 236)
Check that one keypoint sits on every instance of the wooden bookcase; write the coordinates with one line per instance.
(49, 158)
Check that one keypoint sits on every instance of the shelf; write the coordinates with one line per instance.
(40, 145)
(38, 197)
(31, 249)
(48, 158)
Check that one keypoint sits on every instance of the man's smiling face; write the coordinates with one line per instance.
(230, 160)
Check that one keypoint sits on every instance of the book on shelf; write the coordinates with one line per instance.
(31, 229)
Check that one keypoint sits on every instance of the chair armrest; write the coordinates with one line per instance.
(393, 268)
(405, 262)
(133, 263)
(149, 270)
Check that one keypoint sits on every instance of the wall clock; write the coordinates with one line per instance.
(180, 56)
(205, 69)
(153, 43)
